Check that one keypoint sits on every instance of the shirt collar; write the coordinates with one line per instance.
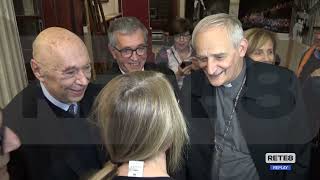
(122, 72)
(54, 101)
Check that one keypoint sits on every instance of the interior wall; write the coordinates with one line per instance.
(234, 7)
(181, 8)
(111, 7)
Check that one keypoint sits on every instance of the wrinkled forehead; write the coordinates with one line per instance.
(57, 54)
(52, 39)
(215, 38)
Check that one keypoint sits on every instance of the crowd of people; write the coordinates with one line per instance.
(212, 106)
(275, 18)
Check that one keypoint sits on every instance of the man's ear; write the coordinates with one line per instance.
(243, 47)
(112, 51)
(36, 69)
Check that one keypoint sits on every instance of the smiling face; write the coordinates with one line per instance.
(129, 41)
(218, 58)
(265, 53)
(65, 72)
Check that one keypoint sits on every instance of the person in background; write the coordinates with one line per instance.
(308, 72)
(310, 60)
(128, 41)
(49, 115)
(311, 95)
(180, 56)
(140, 120)
(262, 46)
(9, 141)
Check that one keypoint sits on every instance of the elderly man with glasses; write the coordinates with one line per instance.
(128, 39)
(49, 115)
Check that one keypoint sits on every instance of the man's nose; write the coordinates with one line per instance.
(83, 78)
(134, 56)
(211, 66)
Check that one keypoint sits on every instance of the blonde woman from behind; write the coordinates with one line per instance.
(142, 127)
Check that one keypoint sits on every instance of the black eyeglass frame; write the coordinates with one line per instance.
(122, 51)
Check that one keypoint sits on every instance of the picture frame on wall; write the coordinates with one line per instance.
(273, 15)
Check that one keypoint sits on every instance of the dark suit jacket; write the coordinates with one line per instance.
(103, 79)
(271, 115)
(311, 94)
(55, 144)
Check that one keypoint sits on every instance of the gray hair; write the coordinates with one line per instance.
(125, 25)
(230, 23)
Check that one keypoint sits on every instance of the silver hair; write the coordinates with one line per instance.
(230, 23)
(125, 25)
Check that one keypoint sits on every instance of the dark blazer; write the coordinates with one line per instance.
(271, 115)
(103, 79)
(55, 144)
(311, 94)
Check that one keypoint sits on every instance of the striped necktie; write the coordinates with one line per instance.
(72, 109)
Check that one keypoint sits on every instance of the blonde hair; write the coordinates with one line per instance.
(139, 117)
(257, 37)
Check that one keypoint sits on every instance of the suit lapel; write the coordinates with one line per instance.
(208, 99)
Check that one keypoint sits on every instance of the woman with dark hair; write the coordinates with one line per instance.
(179, 56)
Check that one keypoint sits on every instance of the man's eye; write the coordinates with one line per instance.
(219, 58)
(70, 72)
(88, 67)
(202, 59)
(126, 51)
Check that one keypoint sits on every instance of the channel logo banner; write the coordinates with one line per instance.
(282, 158)
(280, 168)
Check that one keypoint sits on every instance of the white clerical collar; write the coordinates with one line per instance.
(125, 73)
(239, 78)
(56, 102)
(229, 85)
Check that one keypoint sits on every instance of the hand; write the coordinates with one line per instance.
(195, 64)
(184, 71)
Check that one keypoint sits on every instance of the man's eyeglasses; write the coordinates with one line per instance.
(127, 52)
(185, 36)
